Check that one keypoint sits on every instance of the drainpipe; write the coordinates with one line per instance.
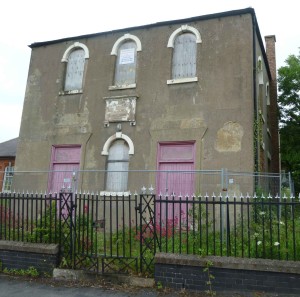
(256, 152)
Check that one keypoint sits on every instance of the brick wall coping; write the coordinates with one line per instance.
(230, 262)
(39, 248)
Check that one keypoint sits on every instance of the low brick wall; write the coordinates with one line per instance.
(22, 255)
(231, 274)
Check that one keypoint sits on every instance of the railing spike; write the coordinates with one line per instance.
(151, 189)
(269, 196)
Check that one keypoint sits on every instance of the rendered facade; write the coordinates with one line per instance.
(104, 111)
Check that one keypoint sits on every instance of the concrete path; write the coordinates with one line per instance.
(24, 287)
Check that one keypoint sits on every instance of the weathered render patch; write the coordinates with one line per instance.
(229, 138)
(120, 109)
(165, 124)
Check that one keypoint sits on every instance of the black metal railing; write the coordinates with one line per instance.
(29, 217)
(106, 232)
(122, 233)
(253, 227)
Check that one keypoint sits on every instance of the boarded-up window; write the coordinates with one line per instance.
(74, 71)
(184, 56)
(126, 64)
(117, 167)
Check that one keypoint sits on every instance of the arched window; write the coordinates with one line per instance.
(117, 166)
(74, 57)
(184, 59)
(260, 71)
(125, 64)
(268, 93)
(184, 56)
(125, 50)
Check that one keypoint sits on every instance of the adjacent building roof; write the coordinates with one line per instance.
(9, 148)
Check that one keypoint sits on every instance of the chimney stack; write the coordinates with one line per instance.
(273, 108)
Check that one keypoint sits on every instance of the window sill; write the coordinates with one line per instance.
(181, 80)
(72, 92)
(131, 86)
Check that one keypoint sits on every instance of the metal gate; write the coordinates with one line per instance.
(108, 234)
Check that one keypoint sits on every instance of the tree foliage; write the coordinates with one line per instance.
(289, 89)
(289, 107)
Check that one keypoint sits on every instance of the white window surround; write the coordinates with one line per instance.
(181, 80)
(184, 29)
(131, 86)
(259, 64)
(110, 140)
(70, 92)
(268, 93)
(65, 59)
(260, 71)
(72, 47)
(114, 52)
(171, 41)
(126, 37)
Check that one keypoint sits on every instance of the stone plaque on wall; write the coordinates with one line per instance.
(120, 109)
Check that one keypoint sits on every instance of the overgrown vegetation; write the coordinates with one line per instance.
(31, 272)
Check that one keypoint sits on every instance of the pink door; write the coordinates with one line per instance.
(65, 162)
(175, 177)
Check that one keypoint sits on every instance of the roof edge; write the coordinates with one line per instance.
(249, 10)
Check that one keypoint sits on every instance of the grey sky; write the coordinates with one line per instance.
(26, 22)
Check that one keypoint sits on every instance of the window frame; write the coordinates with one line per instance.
(115, 52)
(8, 179)
(171, 44)
(65, 60)
(105, 152)
(115, 168)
